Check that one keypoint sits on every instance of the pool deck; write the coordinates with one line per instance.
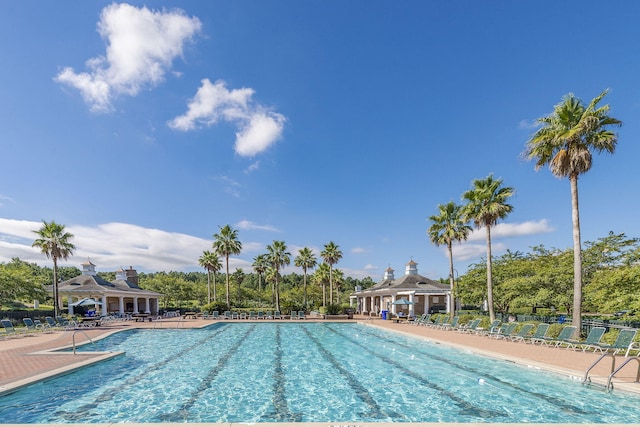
(28, 359)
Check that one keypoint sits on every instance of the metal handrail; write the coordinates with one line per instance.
(586, 377)
(73, 338)
(613, 374)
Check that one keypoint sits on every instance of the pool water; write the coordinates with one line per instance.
(306, 372)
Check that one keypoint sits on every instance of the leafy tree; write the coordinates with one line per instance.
(331, 255)
(55, 243)
(306, 260)
(278, 258)
(448, 227)
(226, 243)
(565, 143)
(19, 281)
(210, 262)
(486, 204)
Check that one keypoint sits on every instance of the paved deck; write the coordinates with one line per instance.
(27, 359)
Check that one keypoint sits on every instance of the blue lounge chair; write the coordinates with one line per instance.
(622, 342)
(563, 337)
(594, 337)
(215, 315)
(11, 331)
(452, 325)
(277, 315)
(506, 331)
(301, 315)
(252, 315)
(523, 333)
(293, 315)
(471, 327)
(539, 335)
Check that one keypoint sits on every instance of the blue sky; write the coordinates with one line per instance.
(144, 126)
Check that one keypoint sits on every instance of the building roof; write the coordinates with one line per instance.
(95, 284)
(410, 281)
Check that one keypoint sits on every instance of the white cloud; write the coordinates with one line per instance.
(4, 199)
(259, 127)
(528, 124)
(110, 246)
(358, 250)
(253, 166)
(249, 225)
(141, 46)
(511, 230)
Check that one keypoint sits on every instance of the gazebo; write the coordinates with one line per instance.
(121, 296)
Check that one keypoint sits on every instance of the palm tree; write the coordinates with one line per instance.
(321, 277)
(260, 264)
(565, 143)
(486, 204)
(338, 281)
(278, 258)
(331, 255)
(307, 260)
(226, 244)
(448, 227)
(55, 243)
(210, 262)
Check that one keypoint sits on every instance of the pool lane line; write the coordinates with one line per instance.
(182, 414)
(361, 391)
(107, 394)
(558, 402)
(466, 408)
(281, 407)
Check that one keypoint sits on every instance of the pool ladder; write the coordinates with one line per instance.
(73, 338)
(609, 385)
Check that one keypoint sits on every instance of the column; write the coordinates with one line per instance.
(121, 305)
(135, 305)
(69, 301)
(448, 298)
(147, 306)
(411, 310)
(104, 305)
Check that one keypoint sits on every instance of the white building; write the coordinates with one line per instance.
(123, 295)
(426, 295)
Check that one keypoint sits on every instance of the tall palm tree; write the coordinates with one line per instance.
(210, 262)
(306, 260)
(226, 243)
(447, 227)
(260, 264)
(565, 143)
(321, 277)
(338, 281)
(486, 204)
(54, 242)
(331, 255)
(278, 258)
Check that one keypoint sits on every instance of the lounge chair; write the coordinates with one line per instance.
(471, 327)
(215, 315)
(52, 323)
(269, 315)
(622, 342)
(226, 315)
(505, 331)
(277, 315)
(252, 315)
(452, 325)
(523, 333)
(563, 337)
(260, 315)
(438, 322)
(293, 315)
(42, 326)
(594, 337)
(539, 335)
(11, 331)
(301, 315)
(418, 320)
(235, 315)
(425, 321)
(492, 329)
(30, 325)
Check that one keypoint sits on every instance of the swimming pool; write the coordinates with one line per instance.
(305, 372)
